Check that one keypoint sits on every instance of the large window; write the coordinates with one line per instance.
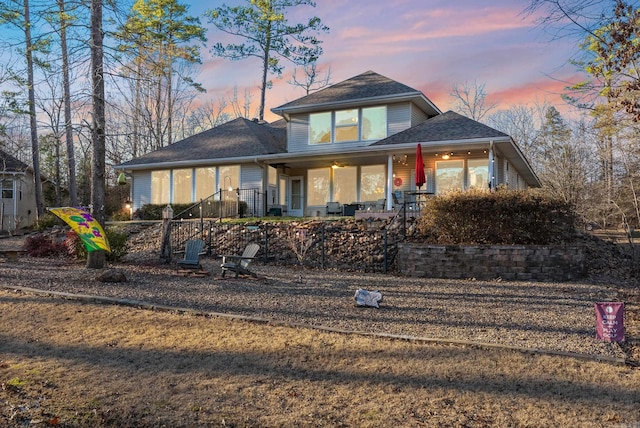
(364, 124)
(345, 184)
(182, 185)
(372, 182)
(205, 182)
(347, 125)
(320, 128)
(449, 175)
(374, 123)
(478, 173)
(160, 187)
(229, 177)
(318, 183)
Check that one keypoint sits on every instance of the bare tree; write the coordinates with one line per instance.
(471, 100)
(311, 80)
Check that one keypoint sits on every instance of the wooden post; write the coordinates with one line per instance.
(165, 250)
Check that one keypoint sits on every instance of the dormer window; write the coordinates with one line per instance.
(364, 124)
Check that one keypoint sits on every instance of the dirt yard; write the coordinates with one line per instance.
(435, 354)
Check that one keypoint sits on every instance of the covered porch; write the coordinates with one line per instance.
(382, 180)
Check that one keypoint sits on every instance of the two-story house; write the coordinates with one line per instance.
(353, 142)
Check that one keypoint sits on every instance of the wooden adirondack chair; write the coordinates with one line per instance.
(192, 252)
(240, 264)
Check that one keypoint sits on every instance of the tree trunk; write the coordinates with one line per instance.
(71, 157)
(97, 259)
(35, 150)
(265, 70)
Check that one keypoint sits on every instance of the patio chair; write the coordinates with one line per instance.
(192, 252)
(240, 264)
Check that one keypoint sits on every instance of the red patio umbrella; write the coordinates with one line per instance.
(420, 178)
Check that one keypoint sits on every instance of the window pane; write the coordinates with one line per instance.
(374, 123)
(273, 176)
(160, 187)
(282, 192)
(344, 184)
(347, 125)
(182, 184)
(205, 182)
(372, 183)
(318, 180)
(7, 189)
(478, 173)
(320, 128)
(449, 175)
(229, 181)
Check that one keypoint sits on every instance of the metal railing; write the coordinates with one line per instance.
(227, 204)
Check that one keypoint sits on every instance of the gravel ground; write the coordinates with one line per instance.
(555, 317)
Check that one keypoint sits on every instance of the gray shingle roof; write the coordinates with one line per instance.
(9, 163)
(449, 126)
(237, 138)
(366, 85)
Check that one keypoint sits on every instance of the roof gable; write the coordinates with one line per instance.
(9, 163)
(449, 126)
(237, 138)
(368, 86)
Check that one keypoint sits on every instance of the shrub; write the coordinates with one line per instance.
(41, 245)
(211, 209)
(117, 241)
(47, 221)
(122, 215)
(502, 217)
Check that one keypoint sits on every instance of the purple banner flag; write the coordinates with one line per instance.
(610, 321)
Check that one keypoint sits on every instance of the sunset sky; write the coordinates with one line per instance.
(428, 45)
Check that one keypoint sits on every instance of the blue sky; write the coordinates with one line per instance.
(428, 45)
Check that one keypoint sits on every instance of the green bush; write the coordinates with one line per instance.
(502, 217)
(122, 215)
(47, 221)
(154, 211)
(116, 237)
(211, 209)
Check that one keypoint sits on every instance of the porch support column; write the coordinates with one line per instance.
(492, 168)
(389, 182)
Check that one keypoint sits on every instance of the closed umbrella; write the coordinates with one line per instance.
(420, 178)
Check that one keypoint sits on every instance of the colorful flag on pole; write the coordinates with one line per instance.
(87, 228)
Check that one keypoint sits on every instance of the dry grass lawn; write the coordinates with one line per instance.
(73, 364)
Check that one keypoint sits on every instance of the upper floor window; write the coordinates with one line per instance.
(369, 123)
(347, 125)
(320, 128)
(374, 123)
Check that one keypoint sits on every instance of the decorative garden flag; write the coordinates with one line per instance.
(87, 228)
(610, 321)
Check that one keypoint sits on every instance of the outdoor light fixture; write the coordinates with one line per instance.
(335, 165)
(447, 155)
(401, 159)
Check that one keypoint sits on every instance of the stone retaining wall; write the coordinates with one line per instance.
(486, 262)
